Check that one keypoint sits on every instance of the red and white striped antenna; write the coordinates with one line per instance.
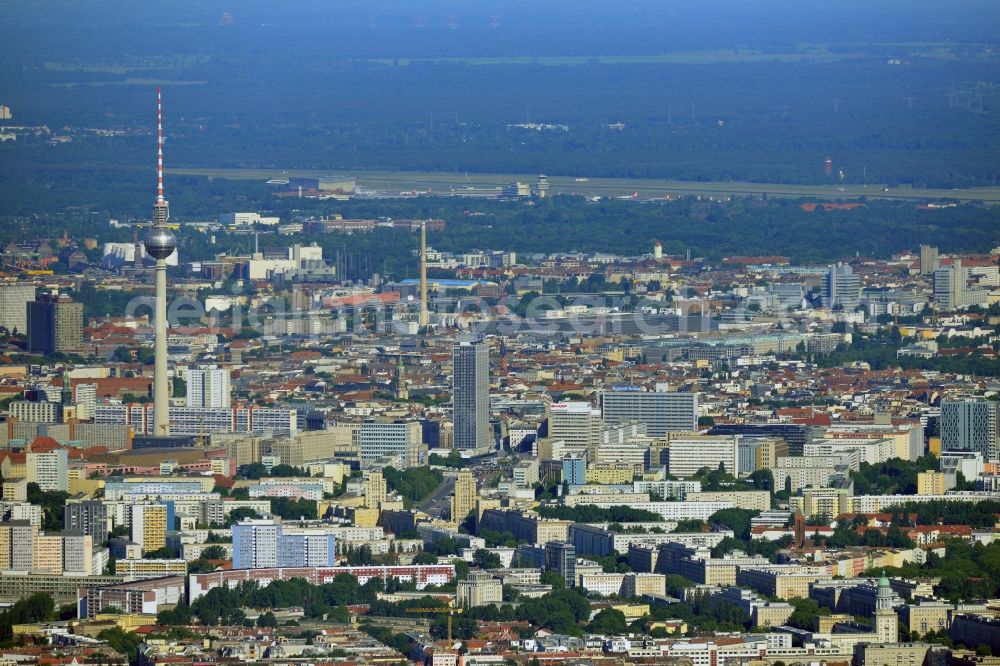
(159, 147)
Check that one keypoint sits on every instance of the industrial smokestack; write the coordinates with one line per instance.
(424, 314)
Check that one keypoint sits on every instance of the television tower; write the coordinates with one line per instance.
(160, 244)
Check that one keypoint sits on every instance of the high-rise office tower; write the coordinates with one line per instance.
(397, 443)
(929, 260)
(87, 517)
(208, 386)
(841, 288)
(55, 324)
(949, 286)
(160, 244)
(463, 500)
(575, 423)
(561, 558)
(14, 299)
(660, 411)
(971, 425)
(470, 398)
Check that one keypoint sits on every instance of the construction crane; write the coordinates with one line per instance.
(450, 611)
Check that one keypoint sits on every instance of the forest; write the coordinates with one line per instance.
(578, 89)
(712, 230)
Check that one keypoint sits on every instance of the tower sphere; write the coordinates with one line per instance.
(160, 242)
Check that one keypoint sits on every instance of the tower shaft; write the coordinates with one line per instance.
(161, 387)
(160, 244)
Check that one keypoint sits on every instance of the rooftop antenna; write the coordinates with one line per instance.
(160, 201)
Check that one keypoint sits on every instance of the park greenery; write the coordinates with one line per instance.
(978, 515)
(892, 477)
(34, 608)
(967, 572)
(879, 349)
(222, 605)
(414, 484)
(588, 513)
(51, 503)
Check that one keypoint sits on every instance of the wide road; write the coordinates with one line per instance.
(395, 182)
(437, 503)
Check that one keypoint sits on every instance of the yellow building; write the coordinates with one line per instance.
(149, 526)
(463, 500)
(129, 621)
(830, 502)
(934, 446)
(890, 654)
(632, 612)
(364, 517)
(335, 472)
(12, 470)
(827, 622)
(88, 487)
(15, 490)
(638, 584)
(766, 455)
(679, 627)
(484, 503)
(17, 545)
(611, 474)
(930, 483)
(376, 489)
(48, 556)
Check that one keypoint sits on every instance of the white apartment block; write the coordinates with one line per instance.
(48, 470)
(672, 510)
(276, 421)
(402, 442)
(36, 412)
(687, 455)
(873, 451)
(208, 387)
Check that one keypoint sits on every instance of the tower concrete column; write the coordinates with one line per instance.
(161, 385)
